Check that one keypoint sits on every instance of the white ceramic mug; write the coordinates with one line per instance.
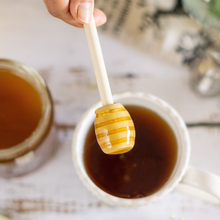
(184, 178)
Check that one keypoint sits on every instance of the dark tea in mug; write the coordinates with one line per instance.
(143, 170)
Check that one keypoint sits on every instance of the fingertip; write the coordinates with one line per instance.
(81, 10)
(99, 16)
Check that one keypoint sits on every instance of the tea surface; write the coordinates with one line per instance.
(20, 109)
(144, 169)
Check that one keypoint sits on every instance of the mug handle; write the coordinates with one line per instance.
(200, 184)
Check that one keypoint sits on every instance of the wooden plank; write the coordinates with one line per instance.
(56, 189)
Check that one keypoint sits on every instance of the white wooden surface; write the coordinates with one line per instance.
(60, 54)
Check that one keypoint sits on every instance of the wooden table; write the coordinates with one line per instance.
(60, 54)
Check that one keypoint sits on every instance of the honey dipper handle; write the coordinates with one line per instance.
(98, 63)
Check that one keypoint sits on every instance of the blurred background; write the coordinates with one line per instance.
(184, 32)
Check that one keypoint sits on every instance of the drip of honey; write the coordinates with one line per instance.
(20, 109)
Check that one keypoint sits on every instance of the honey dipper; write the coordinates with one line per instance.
(114, 127)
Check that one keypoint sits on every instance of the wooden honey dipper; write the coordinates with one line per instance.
(114, 127)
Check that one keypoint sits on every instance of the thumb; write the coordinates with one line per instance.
(82, 10)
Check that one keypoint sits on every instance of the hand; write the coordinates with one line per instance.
(75, 12)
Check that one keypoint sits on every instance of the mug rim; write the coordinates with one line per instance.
(170, 184)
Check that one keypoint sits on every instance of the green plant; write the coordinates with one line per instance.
(214, 8)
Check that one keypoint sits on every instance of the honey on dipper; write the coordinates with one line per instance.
(113, 124)
(114, 129)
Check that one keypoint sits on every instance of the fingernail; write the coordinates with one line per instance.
(85, 12)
